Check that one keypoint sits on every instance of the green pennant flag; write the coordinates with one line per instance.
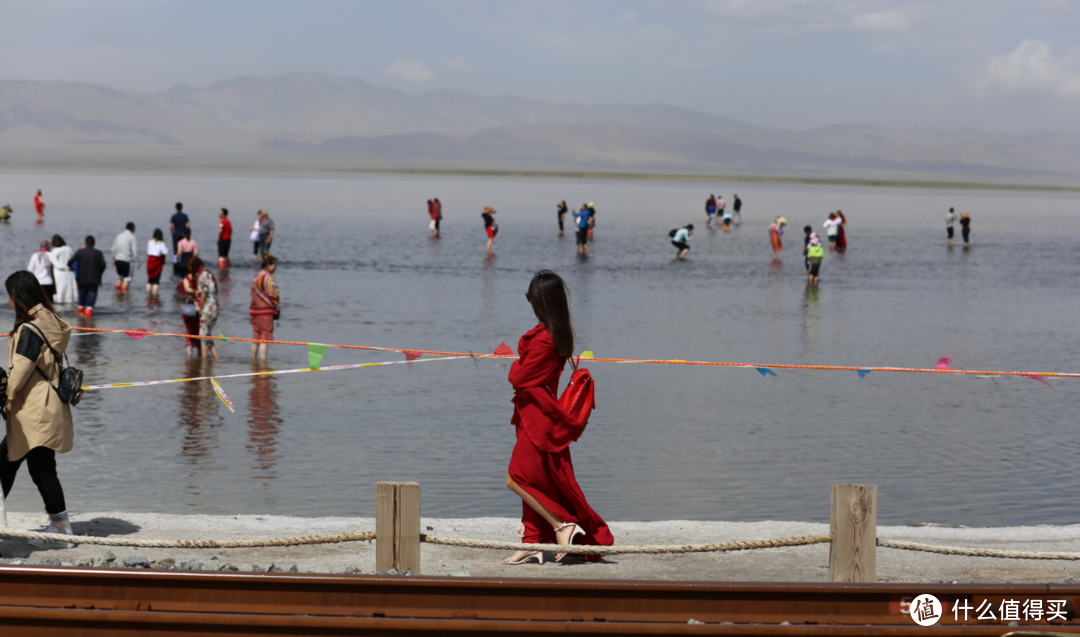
(315, 353)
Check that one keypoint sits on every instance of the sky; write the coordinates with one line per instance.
(1011, 66)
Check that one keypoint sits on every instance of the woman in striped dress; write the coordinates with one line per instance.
(265, 306)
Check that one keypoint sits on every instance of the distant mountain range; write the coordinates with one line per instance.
(308, 119)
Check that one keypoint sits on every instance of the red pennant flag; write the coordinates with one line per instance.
(504, 350)
(137, 334)
(411, 356)
(1041, 380)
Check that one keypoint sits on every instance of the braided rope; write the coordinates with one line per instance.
(960, 550)
(365, 536)
(629, 549)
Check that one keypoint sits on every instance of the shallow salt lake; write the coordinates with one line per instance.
(666, 442)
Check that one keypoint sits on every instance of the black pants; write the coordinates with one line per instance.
(560, 223)
(966, 232)
(223, 246)
(42, 464)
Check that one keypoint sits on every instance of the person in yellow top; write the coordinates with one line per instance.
(39, 424)
(814, 254)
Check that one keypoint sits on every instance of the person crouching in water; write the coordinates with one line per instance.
(554, 509)
(39, 424)
(681, 240)
(814, 255)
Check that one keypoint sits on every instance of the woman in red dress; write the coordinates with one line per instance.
(554, 510)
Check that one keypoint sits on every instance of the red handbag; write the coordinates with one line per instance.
(578, 399)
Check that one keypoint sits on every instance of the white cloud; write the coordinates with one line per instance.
(410, 71)
(461, 65)
(894, 21)
(1032, 70)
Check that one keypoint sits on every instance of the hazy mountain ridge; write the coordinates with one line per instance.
(348, 117)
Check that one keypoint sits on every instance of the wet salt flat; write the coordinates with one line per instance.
(666, 442)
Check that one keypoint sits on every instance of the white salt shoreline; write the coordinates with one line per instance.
(805, 563)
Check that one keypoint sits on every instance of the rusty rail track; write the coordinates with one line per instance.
(76, 601)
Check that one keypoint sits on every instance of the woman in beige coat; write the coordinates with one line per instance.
(38, 422)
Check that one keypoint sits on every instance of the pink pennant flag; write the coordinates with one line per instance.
(137, 334)
(504, 350)
(411, 356)
(944, 363)
(1041, 380)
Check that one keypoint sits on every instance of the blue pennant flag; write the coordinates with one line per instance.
(862, 373)
(765, 371)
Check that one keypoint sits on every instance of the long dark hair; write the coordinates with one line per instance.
(26, 294)
(550, 303)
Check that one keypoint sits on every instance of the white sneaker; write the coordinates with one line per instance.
(58, 523)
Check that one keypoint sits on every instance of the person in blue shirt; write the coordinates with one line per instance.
(681, 240)
(581, 218)
(177, 225)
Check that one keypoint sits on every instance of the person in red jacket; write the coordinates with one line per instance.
(39, 204)
(554, 509)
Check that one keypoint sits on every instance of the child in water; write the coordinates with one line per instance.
(814, 255)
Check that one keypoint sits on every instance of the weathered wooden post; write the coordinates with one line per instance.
(397, 527)
(853, 524)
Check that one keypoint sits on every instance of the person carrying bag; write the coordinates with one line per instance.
(39, 423)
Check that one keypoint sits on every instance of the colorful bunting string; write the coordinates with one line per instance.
(315, 353)
(146, 383)
(221, 394)
(504, 351)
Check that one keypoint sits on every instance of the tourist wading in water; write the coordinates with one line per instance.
(950, 221)
(581, 220)
(554, 509)
(680, 238)
(562, 210)
(38, 423)
(490, 227)
(776, 230)
(63, 277)
(265, 306)
(189, 308)
(156, 253)
(965, 228)
(814, 255)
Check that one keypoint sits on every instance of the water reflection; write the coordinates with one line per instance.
(263, 424)
(811, 321)
(199, 420)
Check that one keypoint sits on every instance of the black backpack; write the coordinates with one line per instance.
(69, 382)
(673, 232)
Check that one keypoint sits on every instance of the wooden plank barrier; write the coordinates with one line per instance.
(853, 524)
(397, 527)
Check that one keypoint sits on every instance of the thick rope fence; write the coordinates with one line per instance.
(573, 549)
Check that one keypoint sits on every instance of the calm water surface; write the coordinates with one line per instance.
(358, 267)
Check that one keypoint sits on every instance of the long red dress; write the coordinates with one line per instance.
(540, 463)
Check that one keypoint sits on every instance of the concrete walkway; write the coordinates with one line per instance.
(807, 563)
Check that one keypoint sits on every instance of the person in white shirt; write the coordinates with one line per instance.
(950, 220)
(41, 267)
(255, 237)
(60, 255)
(832, 229)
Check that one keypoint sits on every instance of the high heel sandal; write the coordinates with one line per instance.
(537, 557)
(576, 532)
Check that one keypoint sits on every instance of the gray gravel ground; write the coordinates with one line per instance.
(807, 563)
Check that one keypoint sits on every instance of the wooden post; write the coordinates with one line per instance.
(853, 524)
(397, 527)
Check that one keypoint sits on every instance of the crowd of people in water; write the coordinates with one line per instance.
(70, 276)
